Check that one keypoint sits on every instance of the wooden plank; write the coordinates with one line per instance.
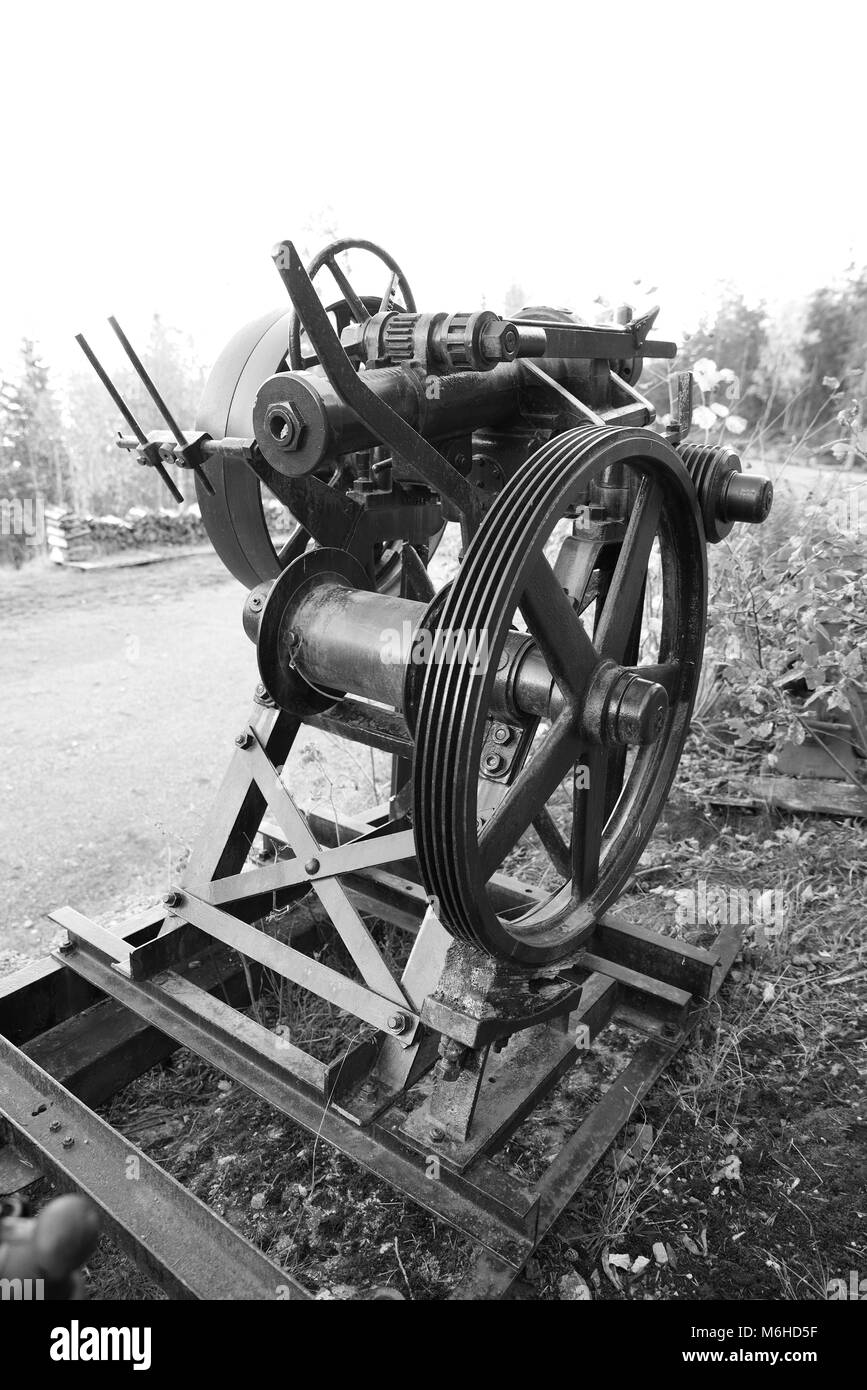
(811, 796)
(99, 1051)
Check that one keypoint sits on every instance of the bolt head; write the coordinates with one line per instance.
(173, 898)
(286, 425)
(396, 1022)
(312, 866)
(437, 1133)
(68, 1142)
(244, 739)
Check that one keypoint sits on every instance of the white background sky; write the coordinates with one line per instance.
(152, 154)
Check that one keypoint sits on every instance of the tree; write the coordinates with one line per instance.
(33, 457)
(735, 340)
(834, 348)
(516, 299)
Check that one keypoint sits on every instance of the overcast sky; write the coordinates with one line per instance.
(153, 154)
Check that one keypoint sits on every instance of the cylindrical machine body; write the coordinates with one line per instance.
(350, 639)
(300, 421)
(344, 638)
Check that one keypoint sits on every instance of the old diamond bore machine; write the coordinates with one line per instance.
(534, 707)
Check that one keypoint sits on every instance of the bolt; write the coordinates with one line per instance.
(255, 602)
(437, 1133)
(173, 899)
(311, 867)
(68, 1142)
(286, 425)
(500, 734)
(55, 1127)
(493, 762)
(244, 739)
(396, 1022)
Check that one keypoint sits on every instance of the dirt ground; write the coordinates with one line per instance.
(122, 691)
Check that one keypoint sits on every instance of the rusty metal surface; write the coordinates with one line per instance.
(172, 1236)
(514, 429)
(505, 569)
(489, 1277)
(486, 1205)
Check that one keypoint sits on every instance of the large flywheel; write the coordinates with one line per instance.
(613, 730)
(235, 515)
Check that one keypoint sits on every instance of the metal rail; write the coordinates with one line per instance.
(169, 1233)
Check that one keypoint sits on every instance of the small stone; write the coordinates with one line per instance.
(257, 1201)
(660, 1254)
(572, 1286)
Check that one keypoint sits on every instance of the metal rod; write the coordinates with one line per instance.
(157, 399)
(125, 411)
(147, 382)
(111, 388)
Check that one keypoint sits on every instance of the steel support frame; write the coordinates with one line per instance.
(160, 969)
(504, 1220)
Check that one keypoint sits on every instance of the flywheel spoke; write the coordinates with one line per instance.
(560, 633)
(528, 793)
(553, 843)
(667, 674)
(386, 302)
(588, 820)
(626, 589)
(356, 305)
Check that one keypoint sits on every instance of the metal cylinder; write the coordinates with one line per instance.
(349, 639)
(300, 421)
(746, 497)
(355, 640)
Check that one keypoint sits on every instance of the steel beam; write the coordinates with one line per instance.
(486, 1204)
(172, 1236)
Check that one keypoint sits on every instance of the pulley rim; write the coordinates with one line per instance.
(453, 703)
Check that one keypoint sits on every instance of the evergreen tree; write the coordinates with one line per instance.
(33, 458)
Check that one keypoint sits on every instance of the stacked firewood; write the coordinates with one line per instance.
(71, 537)
(67, 536)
